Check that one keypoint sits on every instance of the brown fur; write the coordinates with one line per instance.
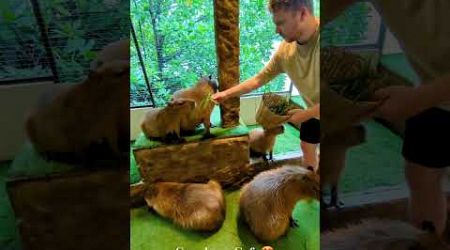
(78, 116)
(267, 202)
(375, 234)
(333, 149)
(199, 207)
(204, 107)
(162, 122)
(262, 140)
(119, 50)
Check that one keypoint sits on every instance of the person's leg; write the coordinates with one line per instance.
(427, 200)
(309, 140)
(309, 154)
(426, 161)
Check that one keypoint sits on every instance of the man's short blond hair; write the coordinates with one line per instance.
(275, 5)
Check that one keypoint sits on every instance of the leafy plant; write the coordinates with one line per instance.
(177, 44)
(75, 28)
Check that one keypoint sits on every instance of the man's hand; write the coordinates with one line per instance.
(219, 97)
(399, 103)
(298, 116)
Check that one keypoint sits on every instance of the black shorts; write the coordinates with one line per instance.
(310, 131)
(427, 138)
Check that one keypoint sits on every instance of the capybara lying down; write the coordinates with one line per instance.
(192, 206)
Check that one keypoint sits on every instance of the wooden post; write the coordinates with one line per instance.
(226, 20)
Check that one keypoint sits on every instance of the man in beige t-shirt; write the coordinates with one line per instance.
(423, 30)
(297, 56)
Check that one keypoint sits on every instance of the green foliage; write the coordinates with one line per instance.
(177, 43)
(76, 29)
(279, 105)
(258, 41)
(349, 28)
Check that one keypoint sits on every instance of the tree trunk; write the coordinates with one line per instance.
(155, 11)
(226, 20)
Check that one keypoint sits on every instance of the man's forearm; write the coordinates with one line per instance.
(299, 116)
(314, 111)
(243, 88)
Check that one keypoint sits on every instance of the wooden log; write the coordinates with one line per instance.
(80, 210)
(222, 159)
(137, 193)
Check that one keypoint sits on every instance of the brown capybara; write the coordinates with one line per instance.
(201, 93)
(266, 202)
(262, 141)
(80, 121)
(193, 206)
(164, 124)
(119, 50)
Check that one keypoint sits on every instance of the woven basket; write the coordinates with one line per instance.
(268, 119)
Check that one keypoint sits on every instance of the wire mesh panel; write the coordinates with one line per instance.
(36, 35)
(140, 91)
(360, 26)
(22, 53)
(76, 29)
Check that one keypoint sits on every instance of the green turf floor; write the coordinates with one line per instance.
(149, 231)
(232, 234)
(375, 163)
(9, 239)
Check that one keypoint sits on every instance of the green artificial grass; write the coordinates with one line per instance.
(143, 142)
(299, 101)
(150, 231)
(29, 163)
(9, 237)
(377, 162)
(135, 177)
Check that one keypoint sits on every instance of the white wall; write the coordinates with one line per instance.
(135, 120)
(15, 102)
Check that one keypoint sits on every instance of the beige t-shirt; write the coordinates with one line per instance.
(301, 63)
(423, 29)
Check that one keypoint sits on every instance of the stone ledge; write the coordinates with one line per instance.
(382, 202)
